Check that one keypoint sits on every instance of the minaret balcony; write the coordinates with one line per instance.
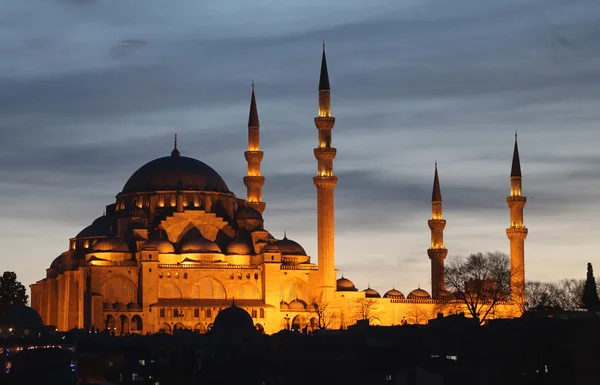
(325, 153)
(325, 181)
(253, 156)
(254, 181)
(324, 122)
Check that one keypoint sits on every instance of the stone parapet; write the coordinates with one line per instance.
(325, 153)
(254, 156)
(254, 181)
(518, 233)
(325, 181)
(324, 123)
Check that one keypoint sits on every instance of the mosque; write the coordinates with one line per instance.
(178, 246)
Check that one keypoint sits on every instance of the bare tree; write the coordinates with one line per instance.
(325, 316)
(417, 314)
(480, 281)
(366, 309)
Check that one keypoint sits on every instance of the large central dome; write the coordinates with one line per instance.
(175, 173)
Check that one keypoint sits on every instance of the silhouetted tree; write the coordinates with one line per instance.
(12, 292)
(480, 281)
(564, 295)
(589, 299)
(366, 308)
(325, 316)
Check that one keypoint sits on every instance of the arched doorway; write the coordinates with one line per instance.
(178, 326)
(165, 328)
(200, 328)
(298, 323)
(111, 324)
(136, 324)
(313, 324)
(124, 324)
(260, 328)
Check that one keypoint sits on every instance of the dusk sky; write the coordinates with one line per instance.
(91, 90)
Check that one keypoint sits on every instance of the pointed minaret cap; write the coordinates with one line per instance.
(436, 196)
(253, 117)
(175, 151)
(324, 80)
(516, 162)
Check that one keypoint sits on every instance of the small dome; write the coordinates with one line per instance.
(113, 244)
(119, 306)
(99, 228)
(134, 306)
(418, 294)
(131, 211)
(289, 247)
(396, 294)
(108, 306)
(161, 245)
(270, 247)
(284, 306)
(248, 213)
(344, 284)
(233, 319)
(297, 305)
(371, 293)
(239, 247)
(199, 245)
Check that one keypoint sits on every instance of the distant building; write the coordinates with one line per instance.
(177, 246)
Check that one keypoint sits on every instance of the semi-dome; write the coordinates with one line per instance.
(248, 213)
(175, 173)
(161, 245)
(112, 244)
(199, 245)
(297, 305)
(371, 293)
(418, 294)
(239, 247)
(396, 294)
(289, 247)
(233, 319)
(99, 228)
(56, 263)
(344, 284)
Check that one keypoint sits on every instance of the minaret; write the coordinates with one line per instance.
(254, 181)
(517, 232)
(325, 183)
(437, 253)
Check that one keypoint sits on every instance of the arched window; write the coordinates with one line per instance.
(196, 291)
(161, 291)
(206, 288)
(241, 292)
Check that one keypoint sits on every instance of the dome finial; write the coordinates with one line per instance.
(175, 151)
(284, 234)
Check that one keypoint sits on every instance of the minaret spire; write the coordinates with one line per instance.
(517, 232)
(437, 253)
(325, 183)
(254, 181)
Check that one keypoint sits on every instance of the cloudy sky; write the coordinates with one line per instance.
(90, 90)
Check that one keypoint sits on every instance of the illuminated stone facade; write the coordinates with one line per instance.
(177, 247)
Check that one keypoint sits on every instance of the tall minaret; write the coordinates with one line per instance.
(437, 253)
(325, 182)
(517, 232)
(254, 181)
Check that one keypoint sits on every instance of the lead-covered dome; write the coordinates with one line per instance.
(344, 284)
(289, 247)
(371, 293)
(161, 245)
(101, 227)
(175, 173)
(239, 247)
(395, 294)
(418, 294)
